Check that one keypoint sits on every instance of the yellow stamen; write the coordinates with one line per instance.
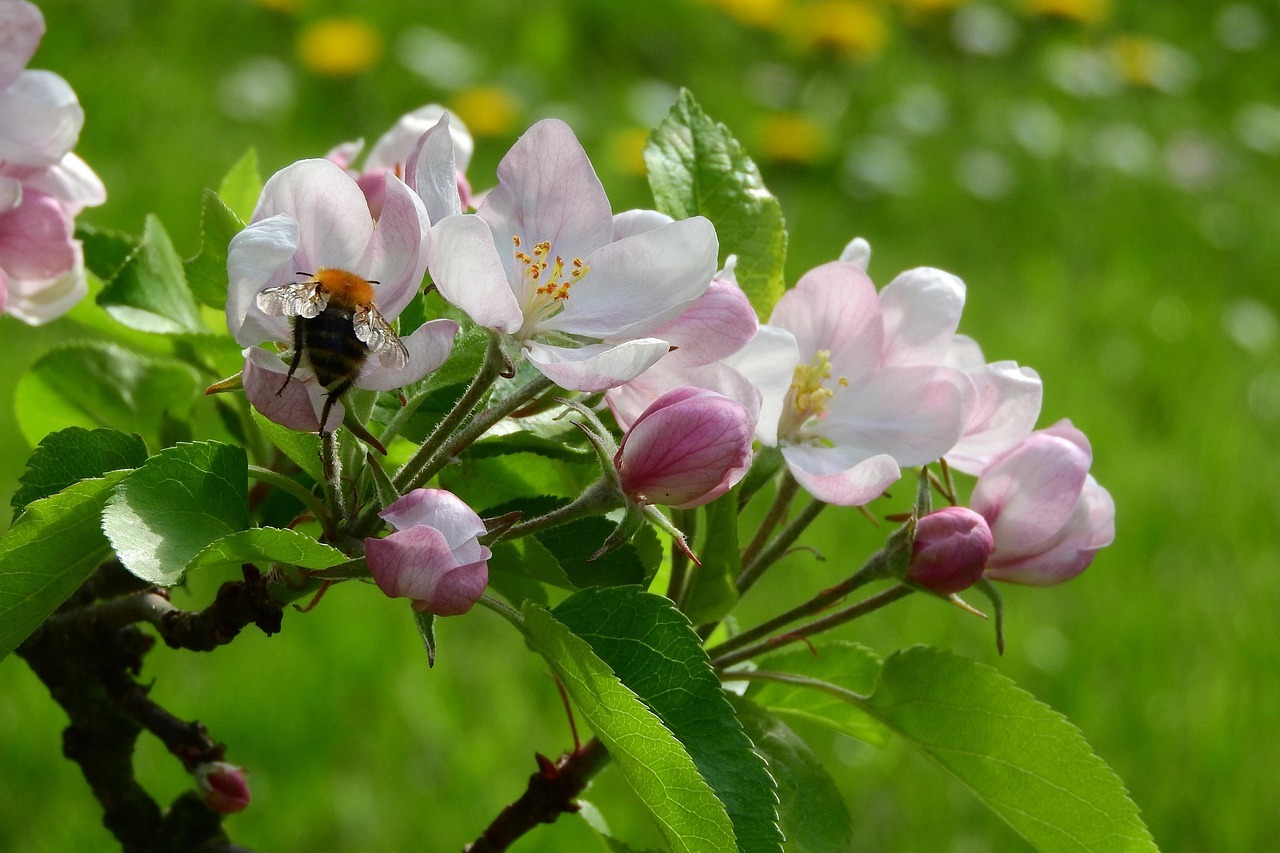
(809, 393)
(544, 282)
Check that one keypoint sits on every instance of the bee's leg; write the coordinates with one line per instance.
(297, 355)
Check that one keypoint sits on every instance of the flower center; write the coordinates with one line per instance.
(544, 283)
(808, 396)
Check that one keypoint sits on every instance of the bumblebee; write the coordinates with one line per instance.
(336, 326)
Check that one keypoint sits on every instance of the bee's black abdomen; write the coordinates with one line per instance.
(333, 351)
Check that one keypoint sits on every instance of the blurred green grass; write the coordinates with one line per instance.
(1126, 248)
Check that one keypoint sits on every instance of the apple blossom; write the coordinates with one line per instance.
(434, 556)
(870, 392)
(43, 186)
(1001, 407)
(543, 263)
(312, 216)
(686, 449)
(396, 152)
(223, 785)
(950, 551)
(1047, 515)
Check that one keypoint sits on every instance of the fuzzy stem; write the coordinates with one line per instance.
(293, 487)
(826, 623)
(787, 488)
(598, 498)
(753, 569)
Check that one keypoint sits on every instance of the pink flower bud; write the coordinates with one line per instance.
(434, 557)
(688, 448)
(1047, 514)
(951, 550)
(223, 785)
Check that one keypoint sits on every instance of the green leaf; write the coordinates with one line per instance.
(267, 544)
(811, 809)
(846, 665)
(207, 271)
(105, 252)
(573, 544)
(651, 760)
(426, 625)
(242, 185)
(527, 442)
(696, 167)
(93, 384)
(302, 447)
(47, 553)
(527, 558)
(72, 455)
(712, 588)
(1026, 761)
(181, 501)
(655, 652)
(149, 293)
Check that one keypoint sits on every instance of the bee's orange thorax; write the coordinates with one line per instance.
(345, 288)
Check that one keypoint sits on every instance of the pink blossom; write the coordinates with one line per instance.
(543, 263)
(42, 184)
(434, 556)
(397, 152)
(223, 785)
(870, 391)
(1047, 515)
(312, 216)
(688, 448)
(951, 549)
(1000, 409)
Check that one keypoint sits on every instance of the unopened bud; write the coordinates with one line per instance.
(951, 550)
(223, 785)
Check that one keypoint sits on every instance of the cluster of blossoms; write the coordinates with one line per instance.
(43, 185)
(848, 384)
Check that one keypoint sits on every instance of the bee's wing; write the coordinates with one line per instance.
(377, 335)
(301, 299)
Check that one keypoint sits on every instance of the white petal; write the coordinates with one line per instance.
(921, 312)
(597, 367)
(914, 414)
(830, 476)
(397, 254)
(428, 347)
(638, 221)
(834, 308)
(258, 257)
(858, 253)
(40, 119)
(769, 361)
(39, 301)
(432, 172)
(466, 269)
(1001, 413)
(21, 28)
(334, 225)
(638, 283)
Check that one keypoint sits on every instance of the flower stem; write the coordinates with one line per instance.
(755, 567)
(787, 488)
(826, 623)
(285, 484)
(598, 498)
(877, 567)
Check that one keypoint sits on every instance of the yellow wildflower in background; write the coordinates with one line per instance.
(766, 14)
(1084, 11)
(931, 5)
(846, 27)
(792, 138)
(626, 150)
(339, 47)
(486, 110)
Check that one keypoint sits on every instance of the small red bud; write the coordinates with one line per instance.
(224, 786)
(951, 550)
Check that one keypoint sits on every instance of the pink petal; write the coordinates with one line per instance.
(36, 301)
(638, 283)
(1028, 494)
(396, 256)
(1070, 551)
(70, 181)
(769, 362)
(596, 367)
(547, 190)
(688, 448)
(834, 308)
(825, 473)
(469, 273)
(296, 405)
(921, 312)
(429, 347)
(436, 508)
(630, 399)
(417, 563)
(715, 325)
(21, 28)
(35, 238)
(1001, 412)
